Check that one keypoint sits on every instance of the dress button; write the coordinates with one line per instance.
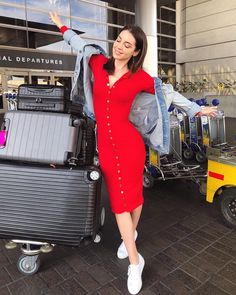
(121, 192)
(118, 164)
(109, 130)
(110, 138)
(118, 171)
(108, 124)
(107, 109)
(108, 101)
(119, 178)
(108, 84)
(108, 117)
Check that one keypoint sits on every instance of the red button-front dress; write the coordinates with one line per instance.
(120, 146)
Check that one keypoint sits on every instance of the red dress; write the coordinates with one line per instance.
(120, 146)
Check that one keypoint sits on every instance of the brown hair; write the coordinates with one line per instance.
(135, 62)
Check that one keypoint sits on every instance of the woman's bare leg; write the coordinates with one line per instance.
(136, 216)
(126, 228)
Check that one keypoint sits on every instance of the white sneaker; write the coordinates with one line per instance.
(134, 282)
(122, 252)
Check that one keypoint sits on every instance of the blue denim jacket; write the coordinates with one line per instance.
(149, 113)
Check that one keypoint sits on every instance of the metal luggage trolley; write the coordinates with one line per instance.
(200, 133)
(42, 206)
(46, 205)
(171, 166)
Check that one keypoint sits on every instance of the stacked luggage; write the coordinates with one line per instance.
(50, 189)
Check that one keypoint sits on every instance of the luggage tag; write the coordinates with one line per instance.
(3, 134)
(3, 138)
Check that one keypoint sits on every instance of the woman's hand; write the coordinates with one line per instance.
(55, 19)
(208, 111)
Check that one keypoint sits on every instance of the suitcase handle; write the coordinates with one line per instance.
(31, 89)
(35, 88)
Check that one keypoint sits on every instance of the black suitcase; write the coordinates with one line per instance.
(88, 146)
(57, 206)
(47, 98)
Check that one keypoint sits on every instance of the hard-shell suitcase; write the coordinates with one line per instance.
(40, 203)
(51, 138)
(42, 98)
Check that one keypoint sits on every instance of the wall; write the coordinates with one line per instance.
(207, 45)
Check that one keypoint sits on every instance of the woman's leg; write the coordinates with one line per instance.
(136, 216)
(126, 228)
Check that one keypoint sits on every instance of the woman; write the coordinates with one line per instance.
(117, 81)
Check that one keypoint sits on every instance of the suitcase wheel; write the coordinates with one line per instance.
(94, 175)
(28, 265)
(97, 238)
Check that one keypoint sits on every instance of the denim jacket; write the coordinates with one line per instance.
(149, 112)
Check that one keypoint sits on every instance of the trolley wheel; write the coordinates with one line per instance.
(188, 154)
(28, 265)
(228, 206)
(148, 180)
(201, 157)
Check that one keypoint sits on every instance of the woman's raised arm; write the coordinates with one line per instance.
(56, 19)
(69, 35)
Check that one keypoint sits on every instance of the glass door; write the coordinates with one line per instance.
(10, 81)
(63, 80)
(40, 78)
(15, 79)
(52, 78)
(58, 79)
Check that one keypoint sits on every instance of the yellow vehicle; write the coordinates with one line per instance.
(221, 181)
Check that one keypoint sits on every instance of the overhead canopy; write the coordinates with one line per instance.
(129, 3)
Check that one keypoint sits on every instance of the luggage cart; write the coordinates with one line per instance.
(43, 206)
(221, 181)
(194, 144)
(200, 133)
(43, 202)
(171, 166)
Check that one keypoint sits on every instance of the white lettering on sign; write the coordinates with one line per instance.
(5, 58)
(24, 59)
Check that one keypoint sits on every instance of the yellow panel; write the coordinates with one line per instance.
(153, 157)
(227, 172)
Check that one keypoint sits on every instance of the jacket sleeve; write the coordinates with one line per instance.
(74, 40)
(181, 102)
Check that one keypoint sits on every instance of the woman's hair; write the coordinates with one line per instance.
(135, 62)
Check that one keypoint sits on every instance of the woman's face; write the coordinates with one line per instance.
(124, 46)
